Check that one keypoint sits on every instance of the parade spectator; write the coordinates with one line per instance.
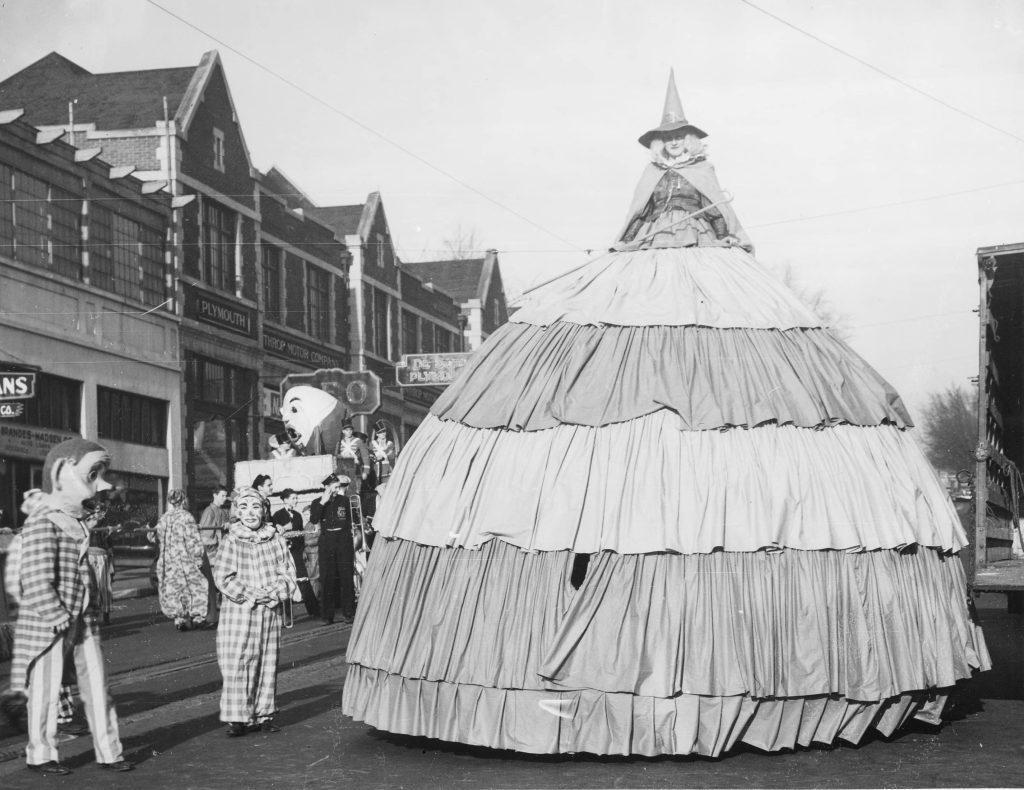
(288, 521)
(101, 559)
(264, 486)
(254, 573)
(182, 587)
(351, 458)
(55, 623)
(211, 529)
(333, 512)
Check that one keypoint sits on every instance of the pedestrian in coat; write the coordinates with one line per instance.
(255, 575)
(211, 529)
(289, 520)
(333, 512)
(55, 623)
(184, 591)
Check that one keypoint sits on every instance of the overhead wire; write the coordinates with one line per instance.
(888, 75)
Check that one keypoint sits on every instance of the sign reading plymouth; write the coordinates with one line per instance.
(430, 370)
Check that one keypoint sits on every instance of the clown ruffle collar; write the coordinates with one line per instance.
(260, 535)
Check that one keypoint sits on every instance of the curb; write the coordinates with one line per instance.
(128, 593)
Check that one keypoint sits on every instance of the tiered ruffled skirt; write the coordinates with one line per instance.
(771, 559)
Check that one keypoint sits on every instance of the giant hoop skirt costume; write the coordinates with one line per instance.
(771, 559)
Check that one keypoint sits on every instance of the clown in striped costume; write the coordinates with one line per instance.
(254, 572)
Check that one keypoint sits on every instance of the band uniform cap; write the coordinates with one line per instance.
(673, 119)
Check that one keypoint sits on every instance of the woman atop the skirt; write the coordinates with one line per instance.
(254, 573)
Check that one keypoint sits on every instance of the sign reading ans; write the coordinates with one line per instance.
(17, 386)
(297, 351)
(430, 370)
(219, 311)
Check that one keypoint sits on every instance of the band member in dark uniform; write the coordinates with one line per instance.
(333, 512)
(351, 458)
(289, 520)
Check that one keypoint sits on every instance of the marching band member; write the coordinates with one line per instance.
(352, 459)
(289, 520)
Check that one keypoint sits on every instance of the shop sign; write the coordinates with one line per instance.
(17, 386)
(222, 312)
(297, 351)
(430, 370)
(28, 442)
(11, 409)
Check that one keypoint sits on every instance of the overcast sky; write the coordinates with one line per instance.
(518, 121)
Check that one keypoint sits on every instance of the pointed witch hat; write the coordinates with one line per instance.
(673, 119)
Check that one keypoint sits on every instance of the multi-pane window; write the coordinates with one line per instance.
(218, 383)
(218, 246)
(218, 150)
(131, 418)
(125, 257)
(40, 224)
(57, 404)
(317, 284)
(410, 334)
(368, 316)
(380, 324)
(272, 282)
(427, 337)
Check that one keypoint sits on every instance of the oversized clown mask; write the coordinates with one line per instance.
(73, 474)
(310, 414)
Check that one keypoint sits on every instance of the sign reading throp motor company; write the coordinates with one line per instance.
(297, 351)
(219, 311)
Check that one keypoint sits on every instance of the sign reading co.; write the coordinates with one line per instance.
(8, 409)
(17, 386)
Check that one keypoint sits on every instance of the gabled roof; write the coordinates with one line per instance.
(275, 182)
(460, 278)
(119, 100)
(345, 220)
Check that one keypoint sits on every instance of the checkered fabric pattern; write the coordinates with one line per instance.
(249, 634)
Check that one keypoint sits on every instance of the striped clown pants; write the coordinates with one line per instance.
(81, 643)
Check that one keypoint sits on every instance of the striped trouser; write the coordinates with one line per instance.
(82, 644)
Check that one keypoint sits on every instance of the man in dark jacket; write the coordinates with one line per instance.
(333, 512)
(288, 521)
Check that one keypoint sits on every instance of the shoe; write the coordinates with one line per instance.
(51, 768)
(236, 729)
(120, 766)
(269, 726)
(182, 626)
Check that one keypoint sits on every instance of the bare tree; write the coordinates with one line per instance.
(816, 299)
(950, 428)
(462, 244)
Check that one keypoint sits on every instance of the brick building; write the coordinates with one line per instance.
(393, 312)
(475, 283)
(87, 304)
(179, 130)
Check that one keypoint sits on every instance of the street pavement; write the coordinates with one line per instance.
(166, 685)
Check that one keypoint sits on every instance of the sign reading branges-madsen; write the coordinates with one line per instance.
(17, 386)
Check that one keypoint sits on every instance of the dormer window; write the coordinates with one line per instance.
(218, 150)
